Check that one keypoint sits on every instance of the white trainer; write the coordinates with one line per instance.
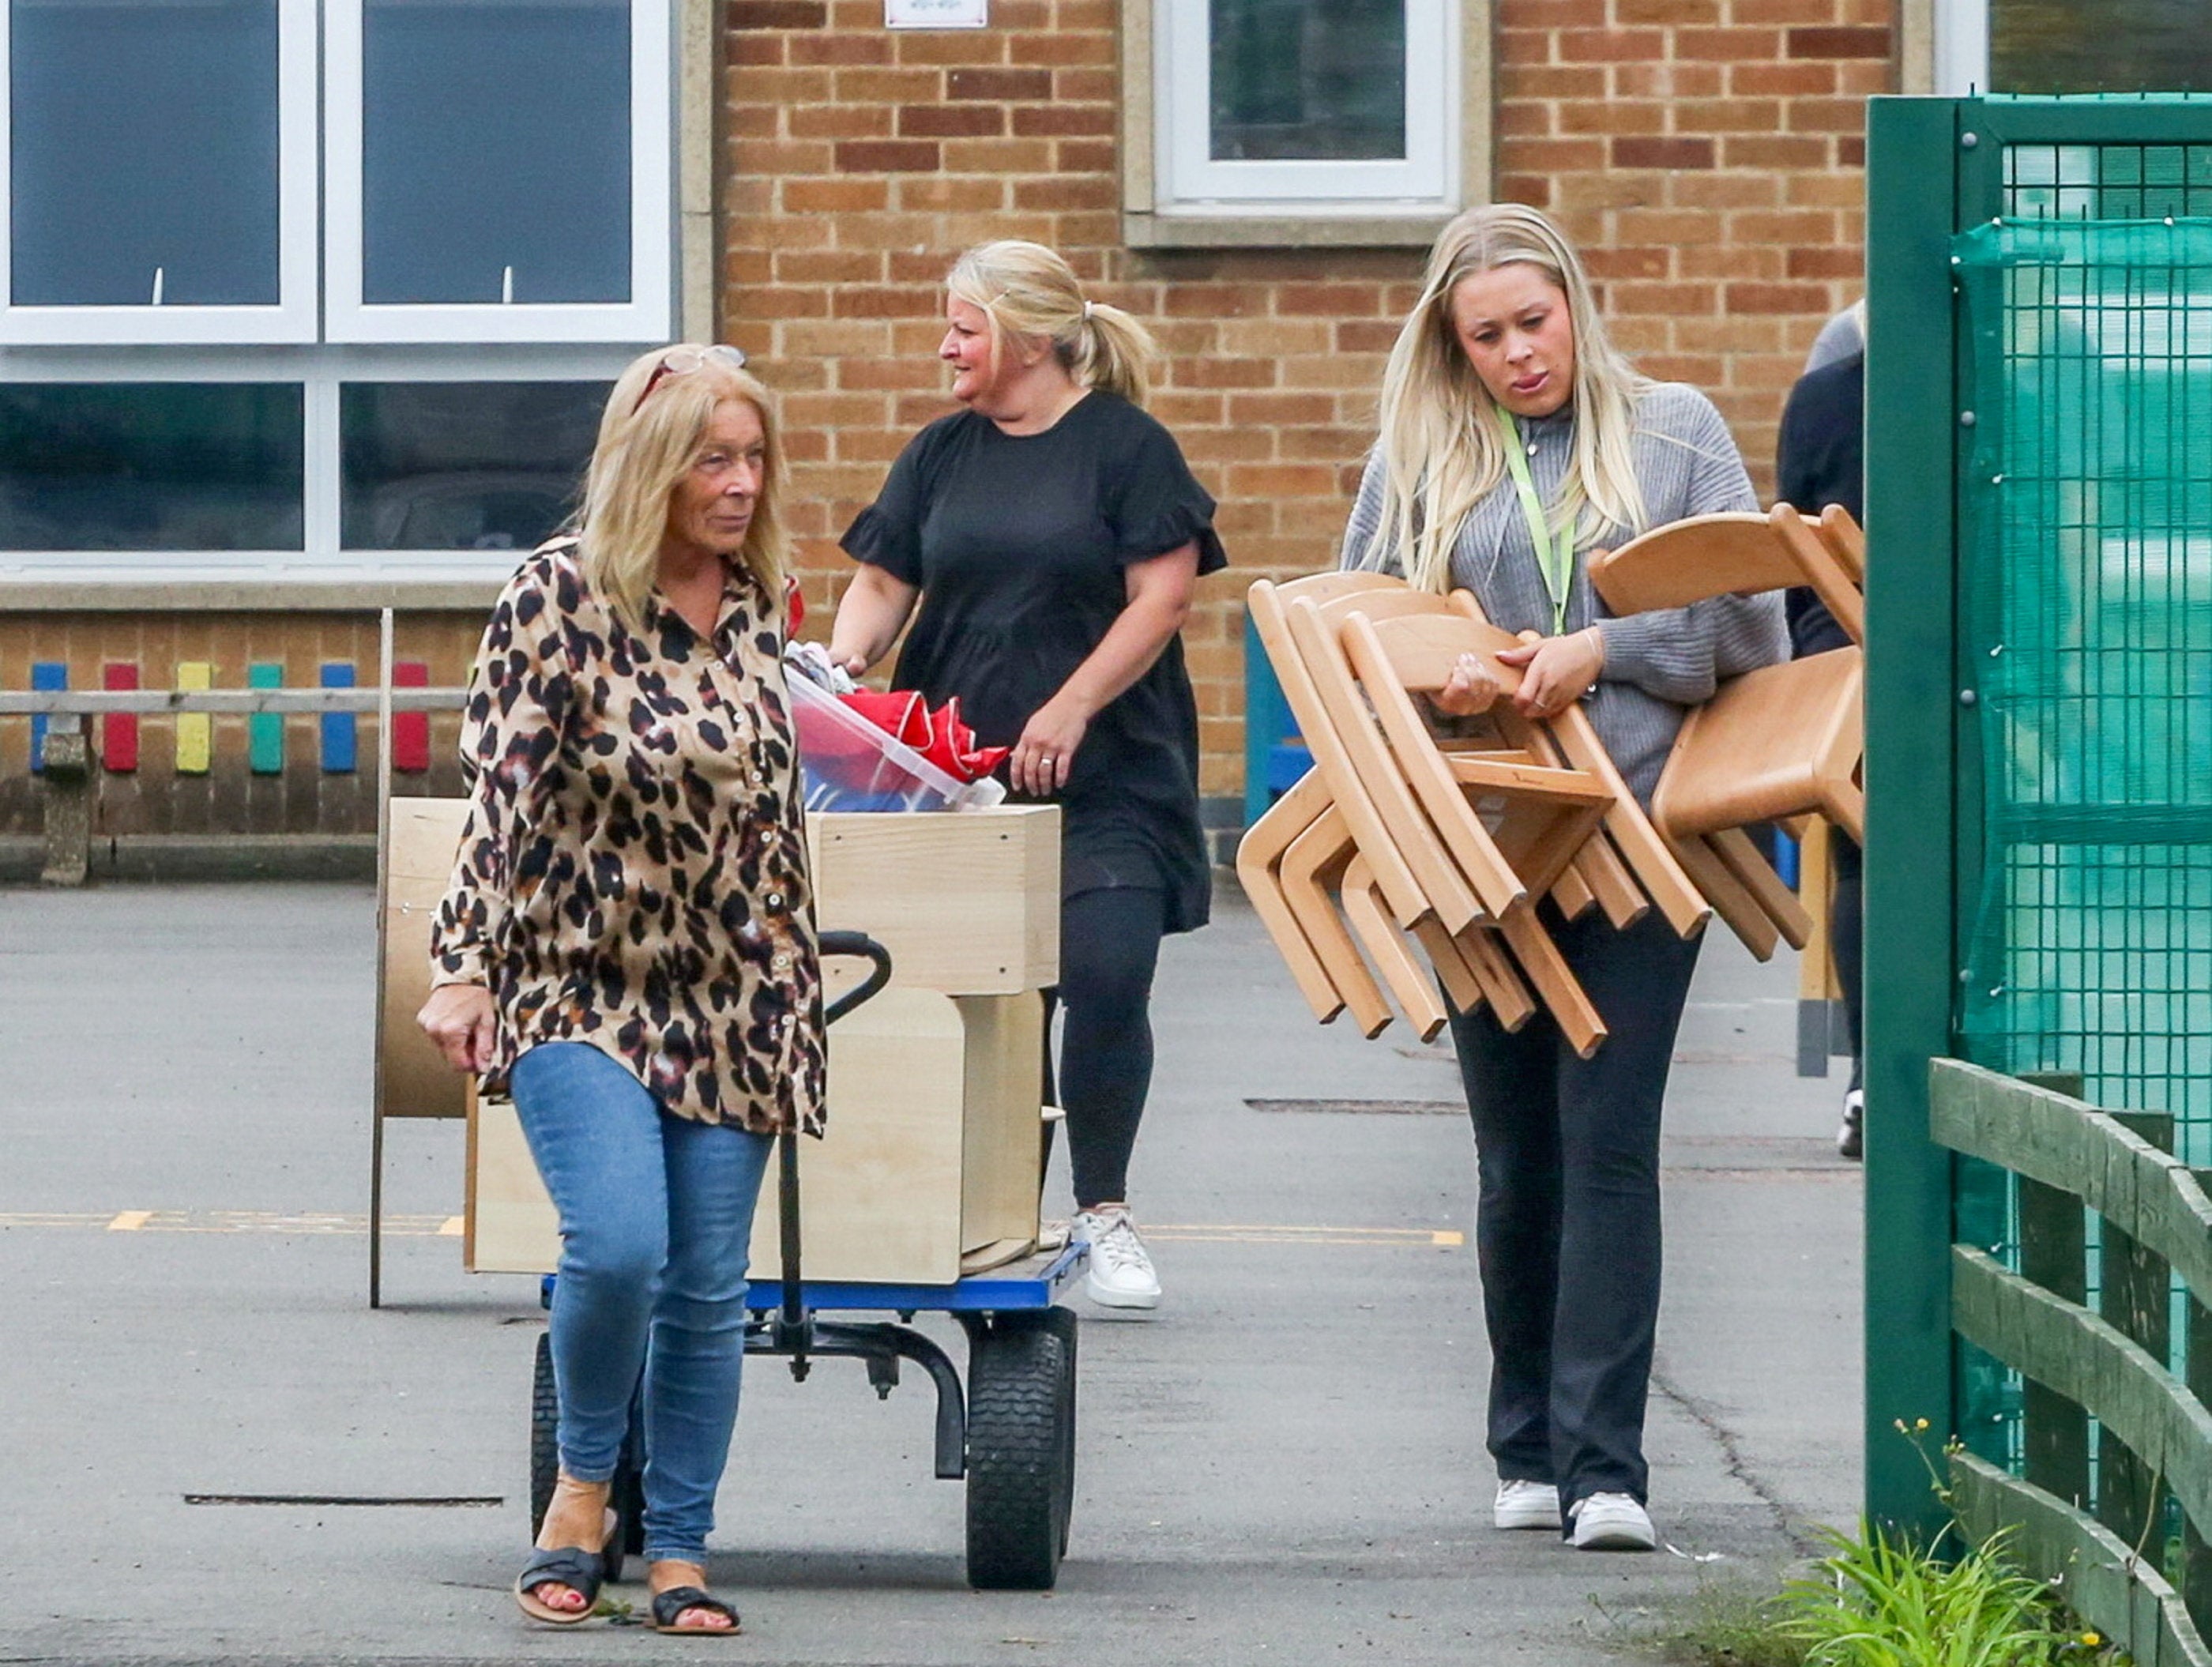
(1850, 1139)
(1122, 1274)
(1612, 1522)
(1526, 1504)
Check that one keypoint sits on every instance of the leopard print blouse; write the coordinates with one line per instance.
(633, 872)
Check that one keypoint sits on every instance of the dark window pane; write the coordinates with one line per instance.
(463, 466)
(1314, 80)
(150, 466)
(495, 140)
(143, 136)
(2113, 47)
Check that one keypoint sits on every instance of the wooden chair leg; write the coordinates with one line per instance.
(1258, 856)
(1561, 992)
(1401, 969)
(1463, 989)
(1611, 884)
(1308, 869)
(1510, 1004)
(1725, 893)
(1572, 892)
(1734, 846)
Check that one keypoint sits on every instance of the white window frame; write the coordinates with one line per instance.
(293, 319)
(1962, 47)
(321, 372)
(644, 318)
(1428, 175)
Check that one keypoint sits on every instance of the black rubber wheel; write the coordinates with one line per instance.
(1021, 1448)
(628, 1497)
(544, 1434)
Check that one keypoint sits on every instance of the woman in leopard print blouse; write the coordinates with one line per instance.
(627, 942)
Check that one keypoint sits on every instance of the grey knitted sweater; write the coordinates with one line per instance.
(1655, 664)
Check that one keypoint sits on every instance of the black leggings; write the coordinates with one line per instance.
(1109, 942)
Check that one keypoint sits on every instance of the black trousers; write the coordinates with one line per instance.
(1567, 1229)
(1109, 946)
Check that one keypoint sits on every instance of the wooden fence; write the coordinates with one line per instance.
(2096, 1379)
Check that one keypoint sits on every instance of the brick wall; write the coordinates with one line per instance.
(1707, 153)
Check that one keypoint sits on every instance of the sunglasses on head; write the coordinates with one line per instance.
(681, 362)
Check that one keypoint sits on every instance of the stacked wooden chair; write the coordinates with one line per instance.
(1406, 866)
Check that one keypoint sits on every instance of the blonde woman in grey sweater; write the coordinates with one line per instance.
(1515, 440)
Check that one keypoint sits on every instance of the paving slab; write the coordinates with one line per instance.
(1284, 1465)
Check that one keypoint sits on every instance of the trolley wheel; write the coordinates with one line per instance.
(627, 1496)
(1021, 1448)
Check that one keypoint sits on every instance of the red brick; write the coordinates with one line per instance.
(1845, 116)
(860, 46)
(1085, 156)
(944, 121)
(1002, 157)
(957, 49)
(1826, 264)
(1851, 151)
(1666, 80)
(1727, 46)
(774, 14)
(1534, 190)
(1063, 47)
(1674, 300)
(1730, 260)
(1087, 86)
(1668, 13)
(1610, 45)
(1339, 301)
(828, 266)
(1093, 121)
(1775, 298)
(1058, 193)
(834, 195)
(1030, 85)
(1813, 80)
(1838, 43)
(1552, 13)
(1521, 118)
(1743, 151)
(1722, 190)
(752, 49)
(1551, 81)
(1614, 262)
(939, 194)
(885, 87)
(887, 156)
(1550, 155)
(1662, 153)
(1729, 115)
(838, 121)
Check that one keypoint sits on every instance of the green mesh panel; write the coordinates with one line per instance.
(2085, 510)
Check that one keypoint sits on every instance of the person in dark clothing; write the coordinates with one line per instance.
(1820, 460)
(1045, 541)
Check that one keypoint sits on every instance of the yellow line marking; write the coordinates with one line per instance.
(129, 1221)
(455, 1226)
(1450, 1241)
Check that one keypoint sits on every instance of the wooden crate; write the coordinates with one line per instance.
(415, 1081)
(930, 1167)
(966, 901)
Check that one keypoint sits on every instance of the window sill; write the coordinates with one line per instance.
(1328, 229)
(146, 593)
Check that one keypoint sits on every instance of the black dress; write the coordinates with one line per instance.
(1018, 544)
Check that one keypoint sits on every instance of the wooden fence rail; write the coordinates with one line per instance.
(2112, 1364)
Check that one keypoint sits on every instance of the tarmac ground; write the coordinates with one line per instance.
(1284, 1465)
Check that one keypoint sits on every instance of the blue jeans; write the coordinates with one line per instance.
(656, 1219)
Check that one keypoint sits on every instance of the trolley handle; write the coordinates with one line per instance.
(879, 974)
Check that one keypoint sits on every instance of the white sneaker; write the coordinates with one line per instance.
(1850, 1139)
(1526, 1504)
(1121, 1273)
(1612, 1522)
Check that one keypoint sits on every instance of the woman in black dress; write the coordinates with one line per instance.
(1052, 536)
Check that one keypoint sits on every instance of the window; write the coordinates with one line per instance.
(500, 168)
(157, 170)
(2042, 46)
(489, 170)
(1305, 120)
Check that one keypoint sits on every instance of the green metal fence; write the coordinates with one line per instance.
(2040, 882)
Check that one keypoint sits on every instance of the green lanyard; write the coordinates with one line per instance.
(1555, 553)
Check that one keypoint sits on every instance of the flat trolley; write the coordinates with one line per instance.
(1009, 1432)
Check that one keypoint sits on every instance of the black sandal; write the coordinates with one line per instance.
(567, 1565)
(668, 1605)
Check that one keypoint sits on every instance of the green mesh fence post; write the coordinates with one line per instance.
(1911, 428)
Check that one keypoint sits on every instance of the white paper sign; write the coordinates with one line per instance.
(936, 14)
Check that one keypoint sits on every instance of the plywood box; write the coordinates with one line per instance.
(966, 901)
(934, 1147)
(414, 1079)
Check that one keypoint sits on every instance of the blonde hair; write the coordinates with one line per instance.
(1027, 289)
(1439, 433)
(649, 438)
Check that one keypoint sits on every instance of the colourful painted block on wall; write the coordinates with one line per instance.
(119, 731)
(45, 674)
(264, 731)
(340, 730)
(410, 731)
(195, 730)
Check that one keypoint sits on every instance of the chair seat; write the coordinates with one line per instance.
(1744, 756)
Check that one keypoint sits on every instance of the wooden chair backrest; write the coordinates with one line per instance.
(1424, 648)
(1823, 553)
(1687, 562)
